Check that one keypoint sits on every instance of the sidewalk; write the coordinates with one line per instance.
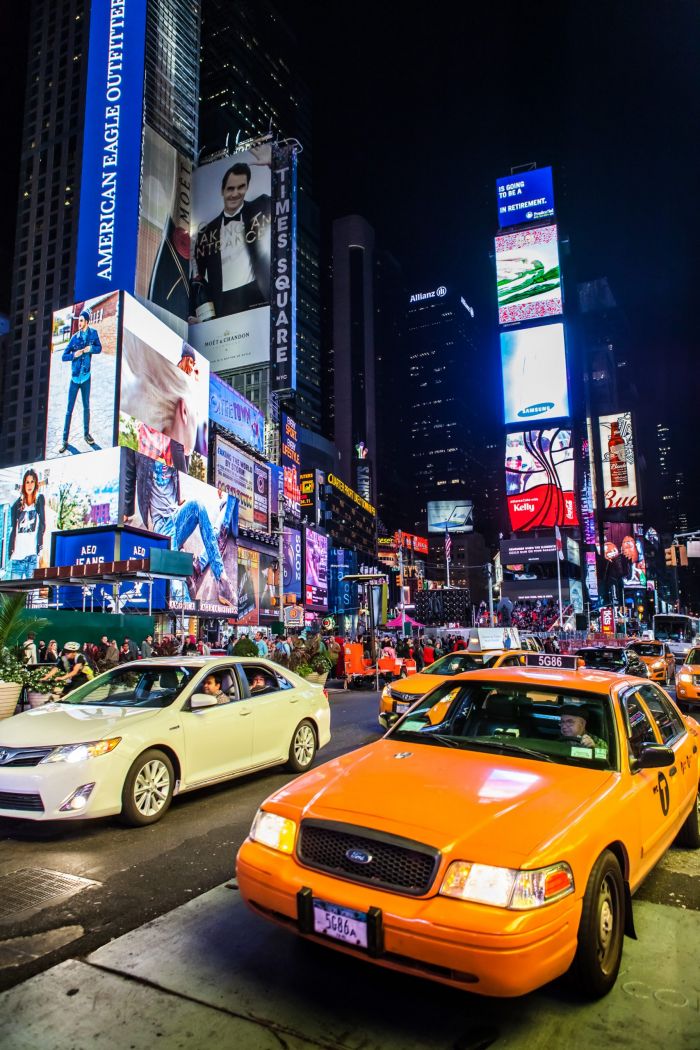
(211, 975)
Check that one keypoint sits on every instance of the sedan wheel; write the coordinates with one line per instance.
(303, 748)
(601, 930)
(148, 789)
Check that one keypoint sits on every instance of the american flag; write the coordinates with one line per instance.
(448, 545)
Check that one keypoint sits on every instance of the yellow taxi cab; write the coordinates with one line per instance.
(396, 697)
(496, 848)
(688, 682)
(660, 661)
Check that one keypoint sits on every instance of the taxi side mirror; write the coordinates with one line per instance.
(655, 756)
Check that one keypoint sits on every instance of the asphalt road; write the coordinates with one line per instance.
(139, 874)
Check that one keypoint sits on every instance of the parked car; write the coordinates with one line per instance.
(127, 741)
(493, 838)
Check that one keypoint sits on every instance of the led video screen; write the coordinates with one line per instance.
(528, 275)
(316, 570)
(624, 552)
(525, 197)
(540, 479)
(451, 516)
(535, 384)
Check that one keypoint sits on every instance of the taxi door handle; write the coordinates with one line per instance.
(672, 771)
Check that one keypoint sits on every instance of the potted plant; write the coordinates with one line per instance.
(38, 691)
(245, 647)
(13, 673)
(320, 669)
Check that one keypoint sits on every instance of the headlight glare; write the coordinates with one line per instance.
(274, 831)
(81, 752)
(507, 887)
(684, 677)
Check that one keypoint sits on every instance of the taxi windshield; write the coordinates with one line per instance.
(518, 719)
(693, 657)
(646, 648)
(148, 685)
(457, 663)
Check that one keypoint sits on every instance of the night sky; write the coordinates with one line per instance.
(417, 114)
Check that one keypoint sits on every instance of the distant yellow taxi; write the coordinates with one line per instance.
(688, 682)
(660, 661)
(397, 697)
(493, 839)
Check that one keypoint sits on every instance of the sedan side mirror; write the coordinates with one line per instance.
(202, 700)
(654, 756)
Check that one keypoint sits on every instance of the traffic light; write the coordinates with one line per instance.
(682, 554)
(670, 555)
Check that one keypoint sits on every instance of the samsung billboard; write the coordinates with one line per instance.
(525, 197)
(535, 384)
(111, 166)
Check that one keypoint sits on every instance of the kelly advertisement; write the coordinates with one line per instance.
(540, 479)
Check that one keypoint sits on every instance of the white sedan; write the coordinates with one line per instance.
(129, 740)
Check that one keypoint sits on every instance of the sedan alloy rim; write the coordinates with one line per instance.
(151, 788)
(304, 745)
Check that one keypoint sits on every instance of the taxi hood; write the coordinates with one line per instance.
(56, 723)
(484, 807)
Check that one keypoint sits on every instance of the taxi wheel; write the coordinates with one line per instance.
(689, 834)
(601, 930)
(302, 750)
(148, 789)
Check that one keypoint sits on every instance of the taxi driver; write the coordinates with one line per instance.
(573, 721)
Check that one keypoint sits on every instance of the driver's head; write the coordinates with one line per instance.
(573, 720)
(211, 685)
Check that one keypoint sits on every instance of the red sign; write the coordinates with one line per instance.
(607, 621)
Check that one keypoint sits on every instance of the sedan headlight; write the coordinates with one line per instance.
(274, 831)
(81, 752)
(386, 692)
(507, 887)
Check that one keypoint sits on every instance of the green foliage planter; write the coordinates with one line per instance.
(244, 647)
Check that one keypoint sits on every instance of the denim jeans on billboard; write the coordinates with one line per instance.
(23, 568)
(73, 389)
(229, 526)
(182, 523)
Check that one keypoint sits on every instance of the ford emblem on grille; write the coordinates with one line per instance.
(358, 856)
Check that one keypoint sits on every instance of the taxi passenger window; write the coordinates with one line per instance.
(667, 721)
(639, 729)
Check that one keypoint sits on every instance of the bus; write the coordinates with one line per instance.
(679, 631)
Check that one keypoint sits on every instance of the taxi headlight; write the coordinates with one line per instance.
(507, 887)
(81, 752)
(386, 692)
(658, 665)
(274, 831)
(685, 677)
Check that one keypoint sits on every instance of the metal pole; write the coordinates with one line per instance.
(280, 558)
(372, 641)
(403, 604)
(447, 558)
(561, 610)
(489, 570)
(150, 597)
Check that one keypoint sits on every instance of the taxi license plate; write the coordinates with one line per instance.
(342, 924)
(401, 708)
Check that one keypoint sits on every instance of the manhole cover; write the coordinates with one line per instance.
(29, 888)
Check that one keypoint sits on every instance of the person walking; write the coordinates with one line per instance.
(147, 647)
(83, 346)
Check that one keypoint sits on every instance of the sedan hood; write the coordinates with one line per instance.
(69, 724)
(468, 804)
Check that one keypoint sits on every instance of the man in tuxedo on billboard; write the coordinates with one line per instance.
(232, 252)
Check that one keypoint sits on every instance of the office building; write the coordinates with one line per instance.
(251, 85)
(48, 208)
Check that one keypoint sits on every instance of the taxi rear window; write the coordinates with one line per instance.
(567, 727)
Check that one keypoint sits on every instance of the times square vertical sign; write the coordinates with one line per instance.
(283, 269)
(111, 164)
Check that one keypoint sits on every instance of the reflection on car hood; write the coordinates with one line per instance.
(69, 724)
(474, 805)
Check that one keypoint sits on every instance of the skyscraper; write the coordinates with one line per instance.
(48, 210)
(251, 84)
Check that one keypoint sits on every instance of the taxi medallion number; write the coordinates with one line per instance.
(342, 924)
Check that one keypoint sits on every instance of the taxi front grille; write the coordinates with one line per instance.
(367, 856)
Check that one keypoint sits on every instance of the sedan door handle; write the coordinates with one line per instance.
(243, 711)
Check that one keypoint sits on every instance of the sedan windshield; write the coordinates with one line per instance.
(516, 719)
(148, 685)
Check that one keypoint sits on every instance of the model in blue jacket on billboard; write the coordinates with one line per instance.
(80, 350)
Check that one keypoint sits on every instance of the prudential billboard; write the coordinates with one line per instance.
(110, 180)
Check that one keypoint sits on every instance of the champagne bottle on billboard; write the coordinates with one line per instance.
(201, 305)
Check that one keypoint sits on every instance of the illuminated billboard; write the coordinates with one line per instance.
(290, 462)
(624, 552)
(105, 545)
(233, 472)
(534, 374)
(451, 516)
(38, 499)
(617, 453)
(111, 154)
(82, 376)
(243, 288)
(248, 585)
(163, 393)
(163, 249)
(540, 479)
(525, 197)
(528, 275)
(196, 517)
(268, 587)
(229, 409)
(292, 566)
(316, 580)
